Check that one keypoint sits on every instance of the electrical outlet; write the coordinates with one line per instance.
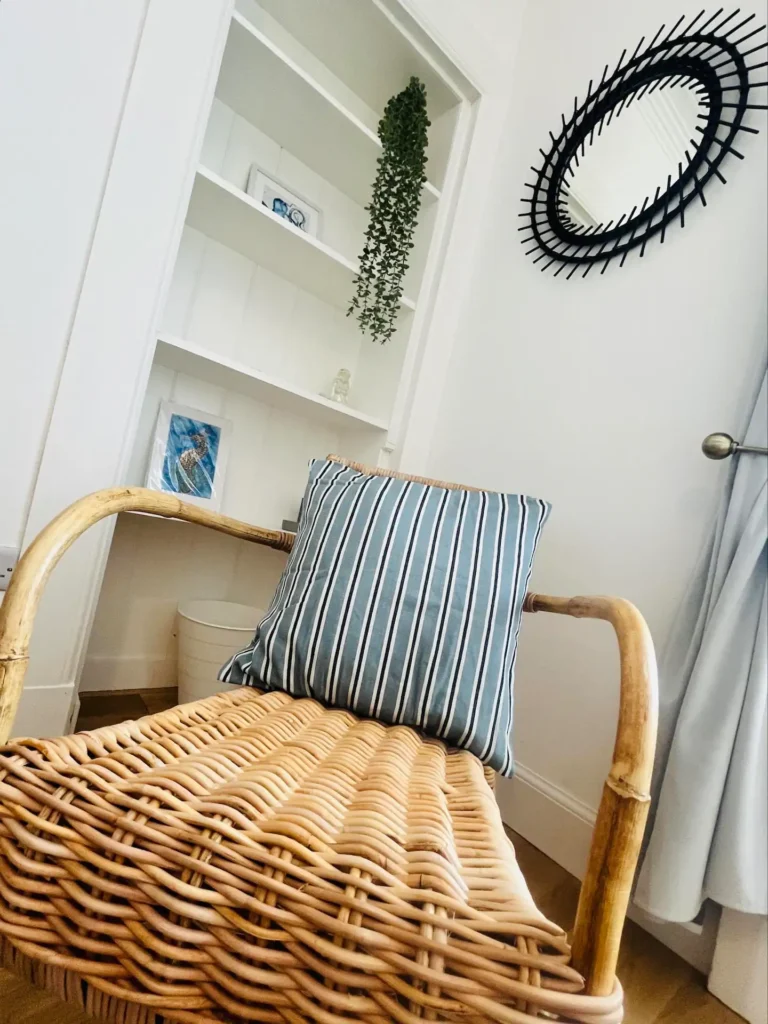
(8, 559)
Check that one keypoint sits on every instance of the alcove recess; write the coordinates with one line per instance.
(254, 327)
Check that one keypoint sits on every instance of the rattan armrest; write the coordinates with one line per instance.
(624, 805)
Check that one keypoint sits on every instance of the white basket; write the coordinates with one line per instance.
(210, 632)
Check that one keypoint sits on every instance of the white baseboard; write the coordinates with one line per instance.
(739, 975)
(560, 825)
(134, 672)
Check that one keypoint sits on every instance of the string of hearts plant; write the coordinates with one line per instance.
(393, 211)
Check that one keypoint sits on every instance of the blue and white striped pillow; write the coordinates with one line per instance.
(402, 601)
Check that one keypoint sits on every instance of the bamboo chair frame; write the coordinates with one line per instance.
(624, 805)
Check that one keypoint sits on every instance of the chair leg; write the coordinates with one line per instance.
(624, 805)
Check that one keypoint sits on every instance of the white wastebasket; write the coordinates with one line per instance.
(210, 632)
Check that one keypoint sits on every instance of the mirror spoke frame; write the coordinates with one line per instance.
(703, 55)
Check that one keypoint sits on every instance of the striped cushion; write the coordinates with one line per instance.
(402, 601)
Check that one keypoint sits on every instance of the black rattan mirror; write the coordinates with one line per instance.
(645, 143)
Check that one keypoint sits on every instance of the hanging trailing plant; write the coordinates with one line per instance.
(393, 210)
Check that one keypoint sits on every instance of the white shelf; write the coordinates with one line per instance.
(271, 90)
(186, 357)
(222, 212)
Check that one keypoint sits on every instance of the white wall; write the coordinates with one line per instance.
(153, 564)
(596, 394)
(482, 36)
(64, 69)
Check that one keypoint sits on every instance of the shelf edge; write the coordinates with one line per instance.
(180, 345)
(218, 181)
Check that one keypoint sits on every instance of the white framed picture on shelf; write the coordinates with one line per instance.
(284, 202)
(189, 454)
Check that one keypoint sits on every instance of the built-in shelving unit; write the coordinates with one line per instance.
(254, 327)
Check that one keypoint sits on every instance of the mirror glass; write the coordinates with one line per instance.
(635, 153)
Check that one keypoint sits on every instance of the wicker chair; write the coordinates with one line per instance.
(252, 857)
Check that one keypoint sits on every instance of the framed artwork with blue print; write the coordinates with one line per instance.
(285, 203)
(189, 454)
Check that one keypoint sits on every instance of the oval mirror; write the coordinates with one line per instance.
(645, 143)
(634, 155)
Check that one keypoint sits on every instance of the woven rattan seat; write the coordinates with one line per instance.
(255, 857)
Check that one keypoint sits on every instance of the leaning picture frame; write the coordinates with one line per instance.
(283, 202)
(189, 454)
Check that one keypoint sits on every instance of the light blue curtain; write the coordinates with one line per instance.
(708, 838)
